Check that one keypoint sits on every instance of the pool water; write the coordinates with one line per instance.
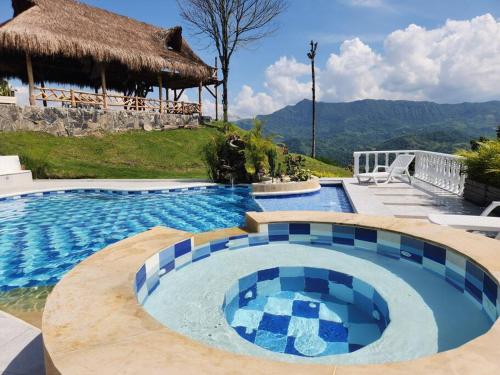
(307, 312)
(329, 198)
(43, 237)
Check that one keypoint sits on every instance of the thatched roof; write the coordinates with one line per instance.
(55, 31)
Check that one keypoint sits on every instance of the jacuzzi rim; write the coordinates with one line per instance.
(124, 258)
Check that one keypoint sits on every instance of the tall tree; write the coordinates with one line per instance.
(231, 24)
(312, 57)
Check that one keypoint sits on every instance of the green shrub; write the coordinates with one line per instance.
(483, 164)
(5, 89)
(296, 168)
(257, 151)
(38, 168)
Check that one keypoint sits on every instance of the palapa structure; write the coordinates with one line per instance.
(68, 42)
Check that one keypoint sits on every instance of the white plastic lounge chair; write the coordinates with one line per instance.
(482, 223)
(398, 168)
(11, 173)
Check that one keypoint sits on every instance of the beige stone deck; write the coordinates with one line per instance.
(400, 199)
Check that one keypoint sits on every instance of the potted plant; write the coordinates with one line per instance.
(482, 185)
(7, 94)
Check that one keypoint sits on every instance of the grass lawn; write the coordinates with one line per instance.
(170, 154)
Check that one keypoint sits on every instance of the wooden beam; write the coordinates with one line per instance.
(103, 86)
(31, 80)
(160, 91)
(210, 91)
(200, 87)
(177, 96)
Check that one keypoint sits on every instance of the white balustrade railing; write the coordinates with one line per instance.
(442, 170)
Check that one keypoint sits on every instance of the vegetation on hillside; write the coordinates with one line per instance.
(380, 124)
(171, 154)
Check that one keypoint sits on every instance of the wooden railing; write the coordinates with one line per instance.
(442, 170)
(82, 99)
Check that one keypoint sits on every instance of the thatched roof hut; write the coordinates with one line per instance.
(71, 43)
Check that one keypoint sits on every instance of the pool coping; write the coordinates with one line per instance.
(118, 335)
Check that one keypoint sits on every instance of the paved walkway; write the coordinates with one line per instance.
(403, 200)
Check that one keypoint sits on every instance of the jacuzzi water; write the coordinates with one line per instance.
(279, 296)
(307, 312)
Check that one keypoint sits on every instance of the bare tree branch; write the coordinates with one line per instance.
(231, 24)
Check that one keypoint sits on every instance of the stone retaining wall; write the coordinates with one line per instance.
(80, 122)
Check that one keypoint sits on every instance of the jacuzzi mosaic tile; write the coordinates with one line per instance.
(43, 235)
(306, 312)
(463, 274)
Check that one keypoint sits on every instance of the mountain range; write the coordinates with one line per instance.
(380, 125)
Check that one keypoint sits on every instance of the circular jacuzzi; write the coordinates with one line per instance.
(304, 311)
(320, 293)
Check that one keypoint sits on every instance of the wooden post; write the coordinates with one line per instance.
(160, 91)
(72, 96)
(175, 95)
(200, 87)
(31, 81)
(42, 84)
(136, 103)
(103, 86)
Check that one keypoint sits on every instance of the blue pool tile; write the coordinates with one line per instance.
(316, 273)
(490, 288)
(435, 253)
(242, 331)
(166, 268)
(316, 285)
(269, 274)
(201, 253)
(247, 281)
(258, 240)
(294, 284)
(474, 291)
(182, 248)
(238, 237)
(340, 278)
(388, 251)
(474, 275)
(275, 323)
(343, 241)
(343, 231)
(218, 245)
(455, 279)
(305, 309)
(290, 347)
(247, 295)
(140, 278)
(367, 235)
(166, 256)
(332, 331)
(278, 237)
(278, 229)
(299, 228)
(272, 341)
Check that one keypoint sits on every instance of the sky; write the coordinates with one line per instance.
(447, 51)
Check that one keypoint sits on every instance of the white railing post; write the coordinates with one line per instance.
(356, 163)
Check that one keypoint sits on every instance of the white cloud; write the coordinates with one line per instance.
(366, 3)
(454, 63)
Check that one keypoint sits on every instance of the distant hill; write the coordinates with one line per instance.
(381, 124)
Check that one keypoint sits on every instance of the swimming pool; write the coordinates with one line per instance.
(43, 235)
(329, 198)
(383, 296)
